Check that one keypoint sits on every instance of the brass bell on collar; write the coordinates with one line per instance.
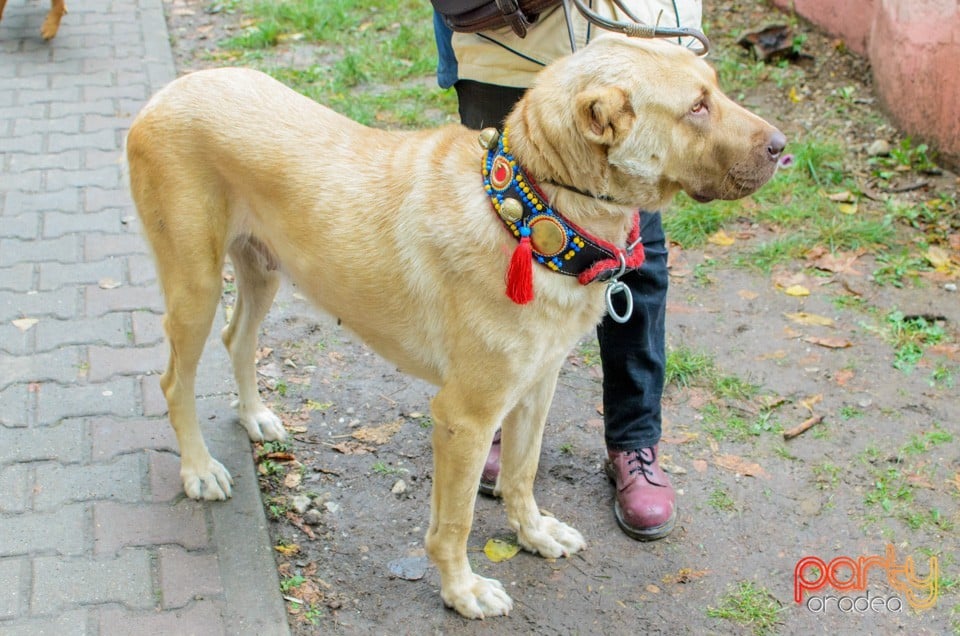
(511, 210)
(488, 138)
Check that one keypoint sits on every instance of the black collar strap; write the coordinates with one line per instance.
(556, 242)
(600, 197)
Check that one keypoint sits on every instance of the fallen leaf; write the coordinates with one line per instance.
(794, 95)
(279, 456)
(746, 294)
(779, 354)
(812, 401)
(287, 550)
(784, 279)
(498, 550)
(804, 318)
(770, 402)
(679, 438)
(830, 343)
(938, 257)
(699, 465)
(843, 376)
(920, 481)
(352, 448)
(738, 465)
(293, 479)
(685, 575)
(839, 263)
(24, 324)
(842, 197)
(796, 290)
(653, 589)
(378, 434)
(721, 238)
(847, 208)
(298, 523)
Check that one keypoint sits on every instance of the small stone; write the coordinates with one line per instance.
(312, 517)
(879, 148)
(399, 488)
(332, 506)
(950, 287)
(409, 569)
(300, 503)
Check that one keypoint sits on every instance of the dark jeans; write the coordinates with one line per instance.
(633, 354)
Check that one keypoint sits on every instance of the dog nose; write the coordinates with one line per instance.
(778, 141)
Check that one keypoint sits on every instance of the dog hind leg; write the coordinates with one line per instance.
(185, 224)
(52, 22)
(191, 306)
(257, 282)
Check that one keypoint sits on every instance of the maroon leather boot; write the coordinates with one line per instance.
(646, 503)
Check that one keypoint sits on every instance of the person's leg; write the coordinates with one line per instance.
(633, 353)
(633, 357)
(484, 105)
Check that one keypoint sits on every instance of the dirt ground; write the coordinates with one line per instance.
(881, 468)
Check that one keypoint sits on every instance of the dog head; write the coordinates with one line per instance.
(639, 120)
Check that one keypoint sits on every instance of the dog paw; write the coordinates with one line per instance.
(551, 538)
(49, 28)
(478, 597)
(210, 481)
(261, 423)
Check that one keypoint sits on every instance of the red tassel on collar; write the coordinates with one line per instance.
(520, 272)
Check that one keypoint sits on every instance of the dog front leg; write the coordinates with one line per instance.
(460, 443)
(520, 456)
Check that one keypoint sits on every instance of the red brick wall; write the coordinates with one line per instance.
(914, 49)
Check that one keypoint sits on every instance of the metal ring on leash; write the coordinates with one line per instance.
(617, 287)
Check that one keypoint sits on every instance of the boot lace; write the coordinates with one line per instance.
(640, 461)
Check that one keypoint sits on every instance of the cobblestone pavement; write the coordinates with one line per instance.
(95, 535)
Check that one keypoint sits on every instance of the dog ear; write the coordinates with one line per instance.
(603, 114)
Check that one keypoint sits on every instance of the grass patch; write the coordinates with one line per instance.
(721, 501)
(749, 605)
(910, 335)
(378, 62)
(686, 367)
(794, 204)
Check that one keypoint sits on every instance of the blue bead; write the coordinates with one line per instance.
(524, 231)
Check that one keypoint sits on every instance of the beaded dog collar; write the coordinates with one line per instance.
(544, 234)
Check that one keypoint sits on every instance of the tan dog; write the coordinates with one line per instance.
(50, 26)
(393, 233)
